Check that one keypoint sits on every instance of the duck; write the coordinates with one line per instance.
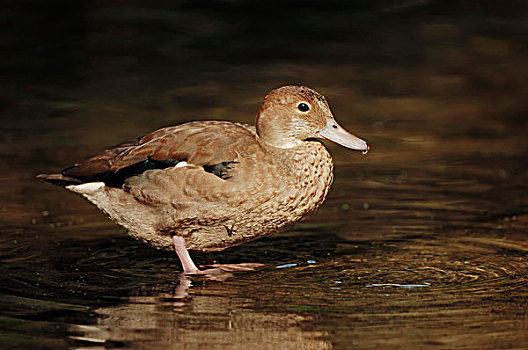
(209, 185)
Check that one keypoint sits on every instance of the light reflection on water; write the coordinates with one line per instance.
(473, 294)
(441, 200)
(210, 317)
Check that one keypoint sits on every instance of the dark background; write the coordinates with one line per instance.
(439, 89)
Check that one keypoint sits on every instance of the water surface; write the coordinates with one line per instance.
(422, 242)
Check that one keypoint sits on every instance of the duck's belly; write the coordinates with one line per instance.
(246, 226)
(216, 234)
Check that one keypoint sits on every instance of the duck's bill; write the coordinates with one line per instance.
(334, 132)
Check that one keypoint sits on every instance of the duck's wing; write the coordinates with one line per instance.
(222, 172)
(211, 145)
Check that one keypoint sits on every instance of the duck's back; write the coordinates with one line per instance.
(202, 143)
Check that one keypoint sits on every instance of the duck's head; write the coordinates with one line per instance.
(292, 115)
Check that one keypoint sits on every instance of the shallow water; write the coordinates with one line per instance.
(422, 242)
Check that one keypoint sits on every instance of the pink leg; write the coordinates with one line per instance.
(219, 272)
(183, 254)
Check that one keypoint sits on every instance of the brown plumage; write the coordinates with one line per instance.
(209, 185)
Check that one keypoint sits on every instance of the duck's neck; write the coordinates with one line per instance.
(310, 170)
(312, 161)
(277, 132)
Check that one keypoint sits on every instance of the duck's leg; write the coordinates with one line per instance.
(181, 249)
(219, 272)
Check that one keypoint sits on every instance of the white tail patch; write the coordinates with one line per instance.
(87, 188)
(181, 164)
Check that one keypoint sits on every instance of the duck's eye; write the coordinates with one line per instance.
(303, 107)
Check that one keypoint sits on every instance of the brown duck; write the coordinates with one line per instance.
(209, 185)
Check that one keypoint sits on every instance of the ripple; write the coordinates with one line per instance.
(397, 285)
(451, 265)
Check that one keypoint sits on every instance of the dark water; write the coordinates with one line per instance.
(422, 243)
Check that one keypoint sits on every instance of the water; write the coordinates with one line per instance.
(422, 242)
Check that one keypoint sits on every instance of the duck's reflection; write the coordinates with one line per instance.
(207, 316)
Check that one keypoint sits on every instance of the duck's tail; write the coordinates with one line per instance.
(59, 179)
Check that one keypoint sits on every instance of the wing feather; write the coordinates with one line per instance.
(198, 143)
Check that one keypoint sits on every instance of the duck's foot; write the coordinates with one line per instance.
(217, 272)
(221, 272)
(208, 274)
(234, 267)
(181, 291)
(214, 274)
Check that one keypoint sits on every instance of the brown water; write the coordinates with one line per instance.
(422, 242)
